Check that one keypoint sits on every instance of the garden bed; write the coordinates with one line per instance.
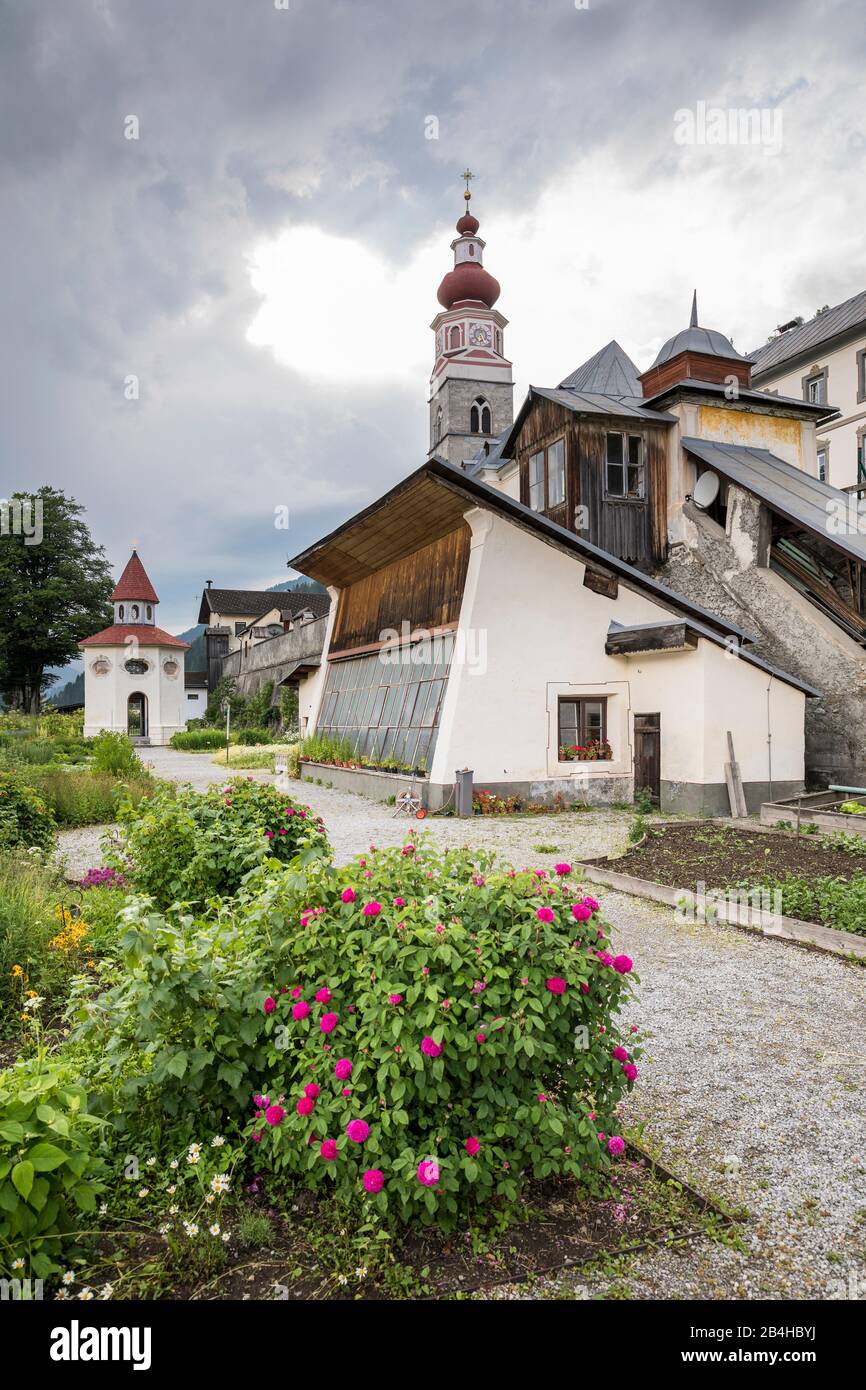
(818, 881)
(305, 1256)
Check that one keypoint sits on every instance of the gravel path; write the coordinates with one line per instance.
(753, 1049)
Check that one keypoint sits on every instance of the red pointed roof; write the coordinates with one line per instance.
(145, 634)
(134, 583)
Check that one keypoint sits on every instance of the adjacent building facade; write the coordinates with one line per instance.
(822, 360)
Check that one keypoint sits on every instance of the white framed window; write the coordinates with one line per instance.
(822, 463)
(556, 473)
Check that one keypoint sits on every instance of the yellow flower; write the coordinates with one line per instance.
(17, 972)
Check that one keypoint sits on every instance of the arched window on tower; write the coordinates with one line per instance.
(135, 612)
(453, 338)
(479, 417)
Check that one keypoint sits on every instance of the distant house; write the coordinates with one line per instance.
(231, 616)
(821, 360)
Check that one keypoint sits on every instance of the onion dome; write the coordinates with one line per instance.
(468, 281)
(468, 224)
(695, 339)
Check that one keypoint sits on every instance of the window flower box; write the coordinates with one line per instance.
(596, 751)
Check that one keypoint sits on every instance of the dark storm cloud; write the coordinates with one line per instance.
(127, 257)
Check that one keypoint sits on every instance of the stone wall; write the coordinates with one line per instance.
(726, 571)
(456, 396)
(275, 659)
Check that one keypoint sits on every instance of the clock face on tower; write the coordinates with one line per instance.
(480, 334)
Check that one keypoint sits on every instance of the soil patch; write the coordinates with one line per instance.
(680, 856)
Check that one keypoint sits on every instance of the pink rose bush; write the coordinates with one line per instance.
(455, 1012)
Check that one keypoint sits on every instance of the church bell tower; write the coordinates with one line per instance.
(471, 387)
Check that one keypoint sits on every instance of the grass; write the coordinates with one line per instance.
(86, 798)
(246, 759)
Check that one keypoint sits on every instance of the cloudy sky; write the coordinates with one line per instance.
(263, 258)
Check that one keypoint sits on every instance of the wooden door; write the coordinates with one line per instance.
(647, 755)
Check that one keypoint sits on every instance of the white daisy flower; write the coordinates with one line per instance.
(194, 1156)
(191, 1228)
(361, 1272)
(194, 1149)
(18, 1264)
(61, 1295)
(171, 1189)
(150, 1162)
(225, 1236)
(86, 1295)
(342, 1279)
(214, 1229)
(103, 1209)
(165, 1228)
(173, 1209)
(173, 1163)
(69, 1277)
(221, 1183)
(209, 1199)
(144, 1192)
(106, 1291)
(217, 1141)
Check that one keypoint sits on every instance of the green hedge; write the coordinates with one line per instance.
(195, 740)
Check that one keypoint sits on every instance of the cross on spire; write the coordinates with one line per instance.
(467, 175)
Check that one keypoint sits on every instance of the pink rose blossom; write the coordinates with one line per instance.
(591, 904)
(300, 1010)
(328, 1150)
(275, 1114)
(428, 1172)
(542, 1097)
(622, 964)
(472, 1146)
(545, 914)
(620, 1054)
(348, 895)
(373, 1180)
(399, 902)
(371, 909)
(556, 984)
(357, 1130)
(269, 1005)
(584, 989)
(328, 1022)
(562, 869)
(480, 1037)
(311, 1090)
(631, 1071)
(395, 998)
(430, 1048)
(633, 1028)
(580, 912)
(296, 991)
(615, 1145)
(345, 1091)
(305, 1106)
(269, 834)
(323, 996)
(343, 1069)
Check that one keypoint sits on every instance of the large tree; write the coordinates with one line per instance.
(55, 585)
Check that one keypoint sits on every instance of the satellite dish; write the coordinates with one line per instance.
(706, 490)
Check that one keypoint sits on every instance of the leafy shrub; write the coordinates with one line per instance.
(469, 1031)
(834, 902)
(25, 818)
(115, 753)
(248, 737)
(188, 846)
(197, 740)
(48, 1170)
(464, 1017)
(183, 1029)
(28, 900)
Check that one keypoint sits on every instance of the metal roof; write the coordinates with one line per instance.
(818, 330)
(789, 491)
(260, 601)
(694, 339)
(741, 651)
(744, 393)
(609, 371)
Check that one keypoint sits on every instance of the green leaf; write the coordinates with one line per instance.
(44, 1157)
(11, 1130)
(177, 1065)
(22, 1176)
